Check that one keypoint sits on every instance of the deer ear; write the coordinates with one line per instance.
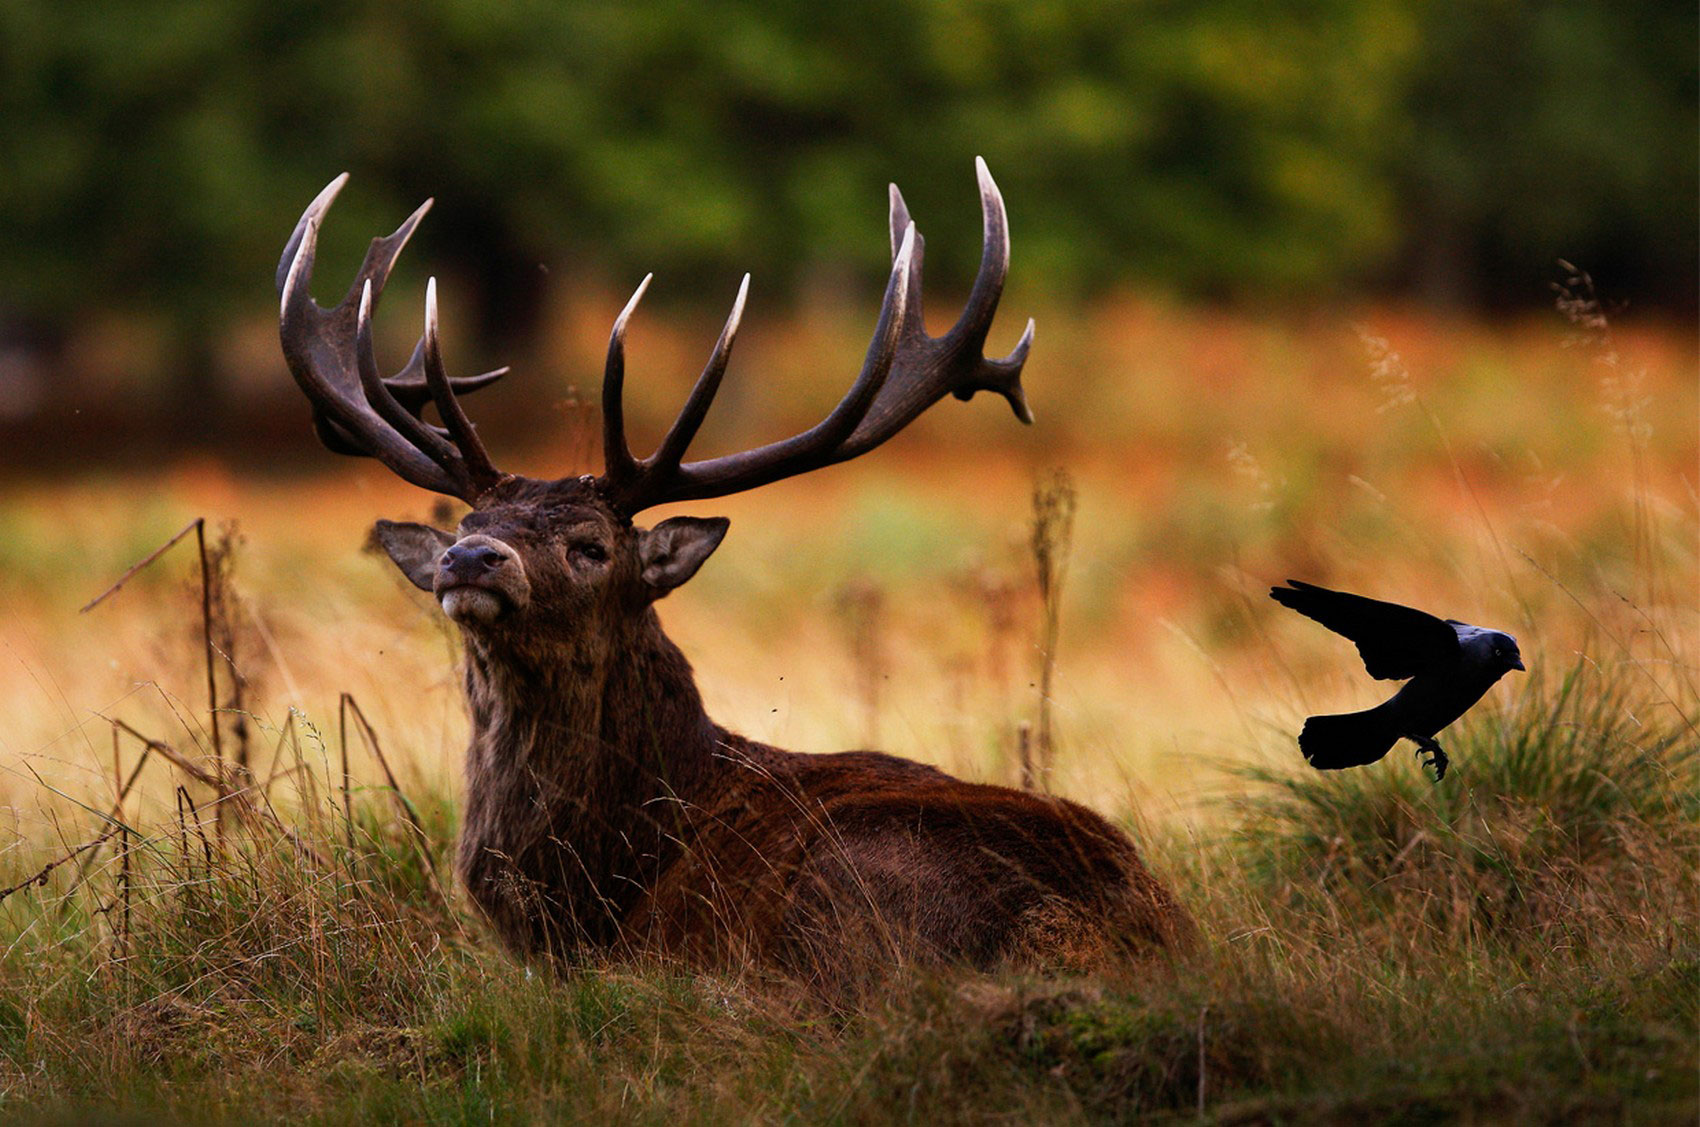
(672, 551)
(413, 547)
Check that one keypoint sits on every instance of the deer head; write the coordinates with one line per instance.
(566, 551)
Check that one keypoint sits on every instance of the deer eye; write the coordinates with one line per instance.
(590, 550)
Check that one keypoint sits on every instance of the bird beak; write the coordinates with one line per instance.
(1517, 664)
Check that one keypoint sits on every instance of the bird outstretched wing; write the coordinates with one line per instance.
(1395, 641)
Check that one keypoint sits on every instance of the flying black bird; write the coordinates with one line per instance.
(1450, 665)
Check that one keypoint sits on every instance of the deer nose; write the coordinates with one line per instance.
(463, 563)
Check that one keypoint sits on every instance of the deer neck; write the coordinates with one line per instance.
(583, 758)
(627, 695)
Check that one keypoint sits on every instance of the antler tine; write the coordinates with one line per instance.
(408, 386)
(954, 363)
(412, 428)
(976, 319)
(313, 343)
(1003, 375)
(380, 257)
(813, 448)
(410, 392)
(618, 465)
(900, 220)
(355, 409)
(882, 354)
(900, 223)
(311, 217)
(672, 449)
(481, 472)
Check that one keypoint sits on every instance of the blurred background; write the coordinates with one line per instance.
(1248, 156)
(1293, 268)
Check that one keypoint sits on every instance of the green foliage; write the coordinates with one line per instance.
(156, 153)
(1541, 131)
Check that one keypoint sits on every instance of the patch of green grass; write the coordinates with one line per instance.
(1589, 782)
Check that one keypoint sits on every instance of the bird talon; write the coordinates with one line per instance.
(1436, 758)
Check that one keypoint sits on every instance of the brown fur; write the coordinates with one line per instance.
(606, 812)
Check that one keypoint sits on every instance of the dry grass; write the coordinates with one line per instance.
(1519, 943)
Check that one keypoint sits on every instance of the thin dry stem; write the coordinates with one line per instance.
(1054, 501)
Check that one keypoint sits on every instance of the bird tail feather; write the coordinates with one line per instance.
(1349, 739)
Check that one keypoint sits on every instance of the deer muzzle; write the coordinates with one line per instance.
(479, 579)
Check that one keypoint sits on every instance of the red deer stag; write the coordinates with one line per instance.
(604, 810)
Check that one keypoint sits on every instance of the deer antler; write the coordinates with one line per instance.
(356, 410)
(905, 372)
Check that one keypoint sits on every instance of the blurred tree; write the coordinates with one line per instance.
(156, 151)
(1533, 132)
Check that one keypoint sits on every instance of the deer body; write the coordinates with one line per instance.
(604, 810)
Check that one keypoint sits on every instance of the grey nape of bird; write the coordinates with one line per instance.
(1450, 665)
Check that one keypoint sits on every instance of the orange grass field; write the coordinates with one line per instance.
(1516, 944)
(1537, 476)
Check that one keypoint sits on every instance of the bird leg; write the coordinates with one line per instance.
(1428, 745)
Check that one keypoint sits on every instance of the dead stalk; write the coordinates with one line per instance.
(225, 612)
(200, 825)
(421, 841)
(116, 814)
(405, 807)
(182, 831)
(212, 681)
(124, 886)
(41, 875)
(1054, 501)
(997, 593)
(1024, 755)
(239, 799)
(198, 527)
(861, 609)
(347, 798)
(139, 565)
